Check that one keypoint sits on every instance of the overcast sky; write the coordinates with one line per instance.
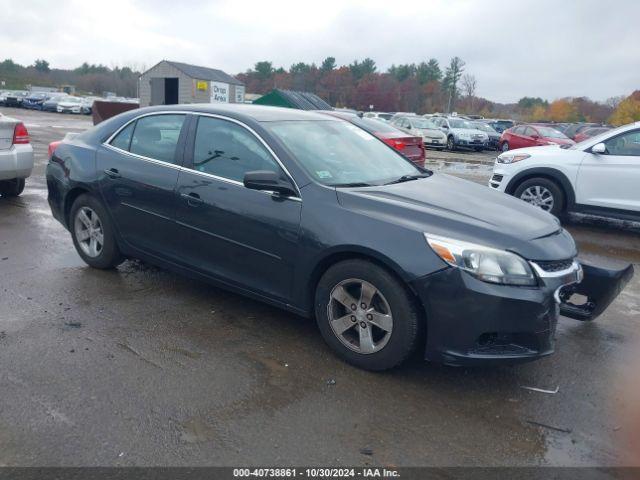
(543, 48)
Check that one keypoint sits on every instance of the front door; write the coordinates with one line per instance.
(247, 238)
(612, 179)
(139, 170)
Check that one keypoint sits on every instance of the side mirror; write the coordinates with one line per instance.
(599, 148)
(408, 127)
(269, 181)
(535, 136)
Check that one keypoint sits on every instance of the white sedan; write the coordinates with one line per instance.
(70, 105)
(600, 175)
(16, 156)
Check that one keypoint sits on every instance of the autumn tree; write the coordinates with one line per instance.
(562, 111)
(628, 110)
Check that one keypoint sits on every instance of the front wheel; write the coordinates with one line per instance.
(366, 316)
(451, 144)
(93, 234)
(505, 147)
(542, 193)
(12, 188)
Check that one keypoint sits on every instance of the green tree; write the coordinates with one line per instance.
(300, 67)
(263, 69)
(328, 64)
(451, 79)
(429, 72)
(402, 72)
(360, 69)
(9, 65)
(41, 66)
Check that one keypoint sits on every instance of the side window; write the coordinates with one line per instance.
(519, 130)
(156, 137)
(530, 132)
(227, 150)
(627, 144)
(123, 139)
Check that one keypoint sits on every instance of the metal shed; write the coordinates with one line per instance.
(169, 83)
(293, 99)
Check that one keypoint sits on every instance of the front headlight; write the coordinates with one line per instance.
(512, 157)
(486, 263)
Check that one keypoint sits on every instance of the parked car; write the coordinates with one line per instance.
(3, 97)
(16, 156)
(381, 115)
(35, 100)
(70, 105)
(87, 104)
(411, 147)
(499, 125)
(575, 128)
(589, 132)
(531, 135)
(320, 218)
(461, 133)
(494, 137)
(431, 135)
(15, 99)
(599, 175)
(51, 104)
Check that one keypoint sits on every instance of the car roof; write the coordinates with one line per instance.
(260, 113)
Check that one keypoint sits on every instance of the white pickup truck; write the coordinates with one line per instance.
(16, 156)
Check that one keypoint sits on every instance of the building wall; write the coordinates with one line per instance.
(188, 91)
(164, 70)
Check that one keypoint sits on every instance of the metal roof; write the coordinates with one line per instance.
(205, 73)
(304, 100)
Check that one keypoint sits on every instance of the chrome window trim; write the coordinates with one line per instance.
(107, 144)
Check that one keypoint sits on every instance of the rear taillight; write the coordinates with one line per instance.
(20, 134)
(397, 144)
(52, 148)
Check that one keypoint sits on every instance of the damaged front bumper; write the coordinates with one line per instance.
(471, 322)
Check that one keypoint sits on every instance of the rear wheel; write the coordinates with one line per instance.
(93, 234)
(366, 316)
(12, 188)
(542, 193)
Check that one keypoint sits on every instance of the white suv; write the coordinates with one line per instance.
(599, 176)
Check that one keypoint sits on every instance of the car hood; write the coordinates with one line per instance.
(469, 131)
(429, 132)
(452, 207)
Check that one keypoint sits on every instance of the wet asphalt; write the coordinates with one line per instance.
(140, 366)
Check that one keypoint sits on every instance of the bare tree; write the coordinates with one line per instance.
(469, 84)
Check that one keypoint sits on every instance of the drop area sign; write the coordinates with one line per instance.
(219, 92)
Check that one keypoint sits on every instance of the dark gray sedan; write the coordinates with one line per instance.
(312, 214)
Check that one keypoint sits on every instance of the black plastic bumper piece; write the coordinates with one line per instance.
(599, 287)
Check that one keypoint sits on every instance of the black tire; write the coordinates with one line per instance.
(556, 192)
(479, 149)
(109, 255)
(12, 188)
(451, 144)
(405, 333)
(505, 147)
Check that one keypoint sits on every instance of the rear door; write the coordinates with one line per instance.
(139, 168)
(247, 238)
(612, 179)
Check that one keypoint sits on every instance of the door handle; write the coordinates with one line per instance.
(113, 173)
(193, 199)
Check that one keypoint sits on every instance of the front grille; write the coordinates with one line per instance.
(555, 265)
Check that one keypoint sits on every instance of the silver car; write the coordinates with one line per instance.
(16, 156)
(461, 133)
(431, 134)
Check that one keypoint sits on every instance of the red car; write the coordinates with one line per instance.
(532, 135)
(411, 147)
(590, 132)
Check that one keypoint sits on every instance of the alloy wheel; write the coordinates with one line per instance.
(89, 232)
(505, 147)
(360, 316)
(538, 196)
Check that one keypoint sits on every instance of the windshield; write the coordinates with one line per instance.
(72, 100)
(338, 153)
(550, 133)
(459, 123)
(484, 127)
(421, 123)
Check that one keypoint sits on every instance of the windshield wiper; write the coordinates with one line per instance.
(354, 184)
(408, 178)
